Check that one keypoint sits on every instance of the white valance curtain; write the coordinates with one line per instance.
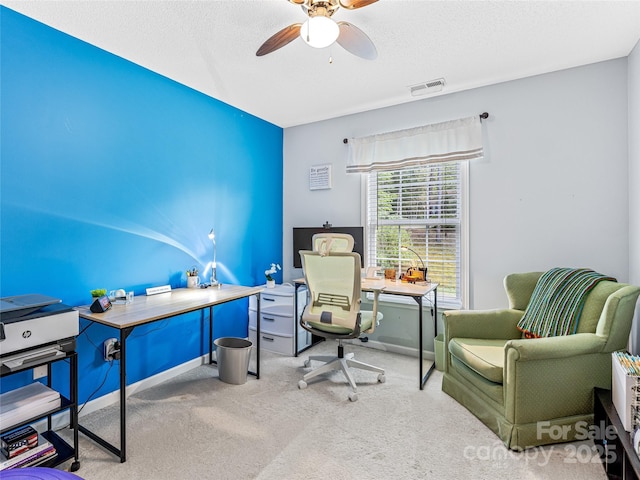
(440, 142)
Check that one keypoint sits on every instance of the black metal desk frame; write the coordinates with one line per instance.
(124, 334)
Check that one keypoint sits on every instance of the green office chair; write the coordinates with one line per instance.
(333, 308)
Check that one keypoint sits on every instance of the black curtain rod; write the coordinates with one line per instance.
(483, 116)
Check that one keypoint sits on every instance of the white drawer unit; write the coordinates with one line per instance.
(277, 323)
(280, 297)
(280, 343)
(280, 323)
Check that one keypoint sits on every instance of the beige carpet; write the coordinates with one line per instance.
(195, 426)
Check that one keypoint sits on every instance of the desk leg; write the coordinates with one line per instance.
(124, 333)
(435, 315)
(210, 335)
(296, 286)
(122, 452)
(423, 379)
(258, 335)
(420, 342)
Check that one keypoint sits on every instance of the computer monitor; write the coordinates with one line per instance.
(302, 240)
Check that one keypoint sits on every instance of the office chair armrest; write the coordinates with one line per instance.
(374, 311)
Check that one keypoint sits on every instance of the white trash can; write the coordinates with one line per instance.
(233, 359)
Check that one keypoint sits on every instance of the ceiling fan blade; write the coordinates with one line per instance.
(353, 4)
(280, 39)
(355, 41)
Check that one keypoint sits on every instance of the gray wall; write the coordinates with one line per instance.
(552, 190)
(634, 180)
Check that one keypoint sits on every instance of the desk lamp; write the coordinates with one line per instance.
(423, 269)
(214, 278)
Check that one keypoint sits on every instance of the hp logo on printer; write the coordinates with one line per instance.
(26, 334)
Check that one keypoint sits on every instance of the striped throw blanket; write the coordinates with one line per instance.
(557, 300)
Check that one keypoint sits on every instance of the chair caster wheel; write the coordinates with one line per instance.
(353, 397)
(302, 384)
(382, 378)
(307, 362)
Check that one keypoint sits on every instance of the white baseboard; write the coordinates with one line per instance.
(389, 347)
(62, 420)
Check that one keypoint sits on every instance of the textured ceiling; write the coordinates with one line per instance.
(210, 46)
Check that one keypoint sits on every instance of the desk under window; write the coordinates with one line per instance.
(393, 287)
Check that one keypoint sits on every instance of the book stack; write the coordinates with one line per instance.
(24, 447)
(27, 402)
(18, 441)
(625, 388)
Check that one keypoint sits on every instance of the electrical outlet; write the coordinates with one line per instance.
(39, 372)
(111, 349)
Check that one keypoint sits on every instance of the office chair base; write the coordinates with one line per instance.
(337, 363)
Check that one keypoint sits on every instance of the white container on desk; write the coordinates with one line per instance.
(277, 320)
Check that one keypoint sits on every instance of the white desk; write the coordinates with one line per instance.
(392, 287)
(148, 309)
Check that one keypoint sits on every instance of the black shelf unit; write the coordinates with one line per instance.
(64, 450)
(615, 446)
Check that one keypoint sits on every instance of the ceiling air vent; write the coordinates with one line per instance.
(425, 88)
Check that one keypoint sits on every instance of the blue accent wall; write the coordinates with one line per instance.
(111, 176)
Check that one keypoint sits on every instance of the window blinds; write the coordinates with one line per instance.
(421, 208)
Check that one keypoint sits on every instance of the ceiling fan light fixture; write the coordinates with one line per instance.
(319, 31)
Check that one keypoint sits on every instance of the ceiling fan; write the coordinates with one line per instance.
(320, 30)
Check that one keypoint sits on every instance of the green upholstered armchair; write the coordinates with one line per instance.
(535, 391)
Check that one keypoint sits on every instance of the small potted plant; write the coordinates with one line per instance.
(271, 283)
(97, 293)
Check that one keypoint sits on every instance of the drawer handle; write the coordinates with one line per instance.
(267, 338)
(269, 319)
(267, 299)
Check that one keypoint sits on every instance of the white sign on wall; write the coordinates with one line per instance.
(320, 177)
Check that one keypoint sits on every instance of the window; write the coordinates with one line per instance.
(416, 197)
(421, 207)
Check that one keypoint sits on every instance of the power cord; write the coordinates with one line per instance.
(160, 326)
(97, 389)
(84, 330)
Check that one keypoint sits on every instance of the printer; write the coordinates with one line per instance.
(34, 329)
